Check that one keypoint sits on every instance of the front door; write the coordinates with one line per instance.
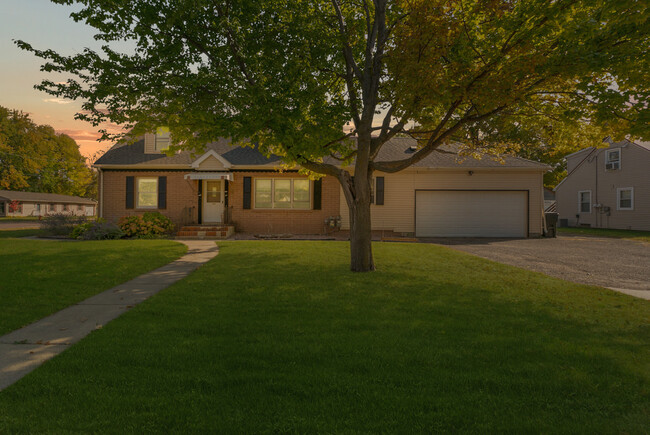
(213, 196)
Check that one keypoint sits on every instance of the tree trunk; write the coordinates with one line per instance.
(360, 237)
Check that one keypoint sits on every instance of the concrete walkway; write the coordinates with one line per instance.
(23, 350)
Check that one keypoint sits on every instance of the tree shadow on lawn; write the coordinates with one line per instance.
(285, 338)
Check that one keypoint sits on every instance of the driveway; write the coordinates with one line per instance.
(622, 265)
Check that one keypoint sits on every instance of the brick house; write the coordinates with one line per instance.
(239, 186)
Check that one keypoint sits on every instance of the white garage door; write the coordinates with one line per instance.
(465, 213)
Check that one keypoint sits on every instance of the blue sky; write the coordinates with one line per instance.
(44, 25)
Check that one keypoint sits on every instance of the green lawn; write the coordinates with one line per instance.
(41, 277)
(5, 234)
(280, 337)
(643, 236)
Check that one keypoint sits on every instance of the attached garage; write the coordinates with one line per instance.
(471, 213)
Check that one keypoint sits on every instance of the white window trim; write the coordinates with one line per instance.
(618, 198)
(580, 192)
(254, 189)
(607, 153)
(137, 194)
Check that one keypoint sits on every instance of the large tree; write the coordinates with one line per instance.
(35, 158)
(290, 74)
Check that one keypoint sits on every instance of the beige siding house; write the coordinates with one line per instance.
(446, 195)
(443, 195)
(21, 204)
(607, 187)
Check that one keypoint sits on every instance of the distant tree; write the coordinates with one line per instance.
(35, 158)
(290, 74)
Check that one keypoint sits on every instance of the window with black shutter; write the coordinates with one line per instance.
(247, 193)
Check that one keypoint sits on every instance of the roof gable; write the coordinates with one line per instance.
(211, 160)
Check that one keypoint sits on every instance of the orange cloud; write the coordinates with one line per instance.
(81, 135)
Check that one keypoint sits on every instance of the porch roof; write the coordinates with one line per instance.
(209, 176)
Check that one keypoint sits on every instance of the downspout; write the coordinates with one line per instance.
(596, 199)
(544, 227)
(101, 193)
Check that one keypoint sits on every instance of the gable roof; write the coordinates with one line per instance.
(395, 149)
(43, 197)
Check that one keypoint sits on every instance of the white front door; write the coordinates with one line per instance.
(213, 201)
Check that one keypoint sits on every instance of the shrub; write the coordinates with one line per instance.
(60, 224)
(97, 230)
(147, 226)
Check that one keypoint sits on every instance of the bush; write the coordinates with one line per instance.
(97, 230)
(60, 224)
(147, 226)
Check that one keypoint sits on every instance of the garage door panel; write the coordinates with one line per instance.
(471, 214)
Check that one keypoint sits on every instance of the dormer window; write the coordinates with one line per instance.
(613, 159)
(162, 138)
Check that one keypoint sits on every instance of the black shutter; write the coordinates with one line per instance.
(162, 192)
(247, 193)
(225, 193)
(130, 192)
(379, 194)
(318, 193)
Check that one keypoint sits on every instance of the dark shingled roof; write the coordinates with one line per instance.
(43, 197)
(447, 157)
(396, 149)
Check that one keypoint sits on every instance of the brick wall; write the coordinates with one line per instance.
(182, 196)
(285, 221)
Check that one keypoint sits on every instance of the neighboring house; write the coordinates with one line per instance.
(442, 195)
(550, 205)
(42, 204)
(607, 187)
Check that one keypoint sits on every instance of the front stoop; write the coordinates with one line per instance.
(206, 232)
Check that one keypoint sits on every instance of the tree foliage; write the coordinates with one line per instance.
(494, 74)
(35, 158)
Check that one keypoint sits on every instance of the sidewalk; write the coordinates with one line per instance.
(23, 350)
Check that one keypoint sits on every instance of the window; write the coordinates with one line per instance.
(625, 198)
(613, 159)
(584, 201)
(37, 208)
(147, 193)
(213, 193)
(52, 207)
(80, 207)
(162, 138)
(66, 207)
(283, 193)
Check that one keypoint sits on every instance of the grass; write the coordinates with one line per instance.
(6, 234)
(281, 337)
(643, 236)
(42, 277)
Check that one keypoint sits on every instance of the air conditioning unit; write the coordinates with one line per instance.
(611, 166)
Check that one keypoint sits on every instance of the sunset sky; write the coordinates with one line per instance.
(44, 25)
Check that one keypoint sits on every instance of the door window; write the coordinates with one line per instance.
(214, 191)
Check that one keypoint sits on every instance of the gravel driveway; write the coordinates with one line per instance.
(622, 265)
